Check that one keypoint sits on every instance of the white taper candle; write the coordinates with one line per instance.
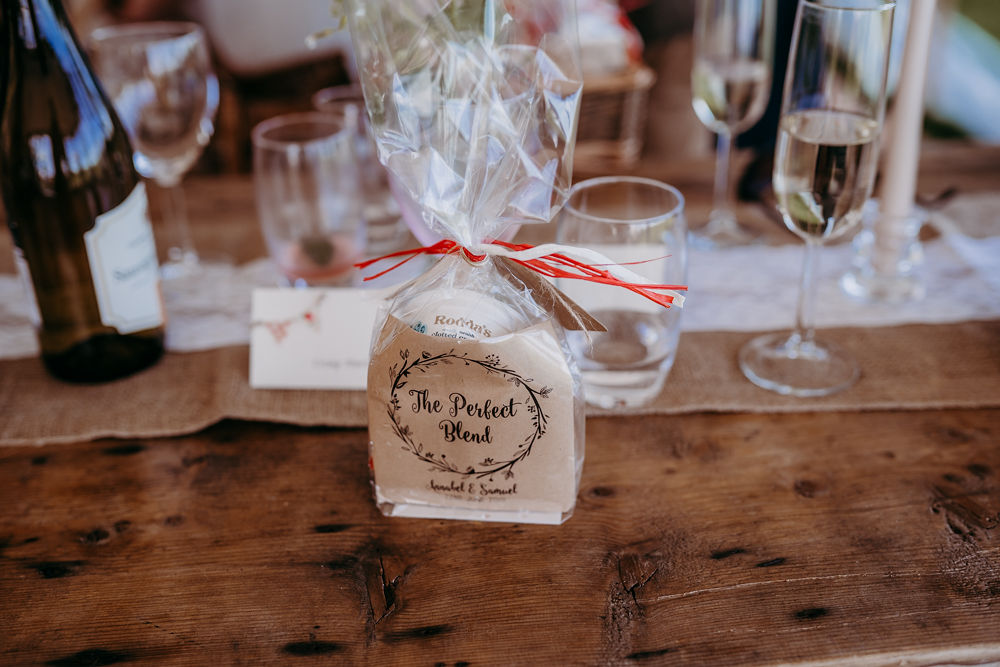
(903, 136)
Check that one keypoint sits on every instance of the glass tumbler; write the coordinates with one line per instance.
(308, 197)
(638, 222)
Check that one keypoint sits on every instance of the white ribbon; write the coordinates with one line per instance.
(584, 255)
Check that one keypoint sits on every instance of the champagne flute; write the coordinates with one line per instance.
(159, 77)
(824, 168)
(730, 82)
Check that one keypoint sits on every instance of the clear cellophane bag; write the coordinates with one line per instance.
(475, 403)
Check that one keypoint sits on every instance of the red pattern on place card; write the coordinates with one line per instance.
(279, 328)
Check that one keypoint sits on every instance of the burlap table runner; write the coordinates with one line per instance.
(904, 367)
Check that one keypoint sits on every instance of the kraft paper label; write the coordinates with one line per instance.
(485, 424)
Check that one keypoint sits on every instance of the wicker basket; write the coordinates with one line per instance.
(612, 121)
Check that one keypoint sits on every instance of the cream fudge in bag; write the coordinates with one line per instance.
(475, 405)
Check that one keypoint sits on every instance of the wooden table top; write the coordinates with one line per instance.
(861, 538)
(707, 539)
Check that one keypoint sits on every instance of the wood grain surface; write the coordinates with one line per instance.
(825, 538)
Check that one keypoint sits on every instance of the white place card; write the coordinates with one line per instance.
(312, 338)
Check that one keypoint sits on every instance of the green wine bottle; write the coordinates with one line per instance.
(75, 205)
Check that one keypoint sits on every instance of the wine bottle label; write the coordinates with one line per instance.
(122, 256)
(24, 274)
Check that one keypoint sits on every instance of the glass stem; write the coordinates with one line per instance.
(805, 323)
(181, 250)
(721, 209)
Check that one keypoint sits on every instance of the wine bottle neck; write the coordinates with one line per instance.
(54, 110)
(44, 47)
(33, 22)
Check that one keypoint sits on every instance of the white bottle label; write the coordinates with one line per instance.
(122, 256)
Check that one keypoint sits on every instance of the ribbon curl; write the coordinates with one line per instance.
(552, 260)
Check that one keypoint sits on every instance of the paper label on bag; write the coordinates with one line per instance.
(484, 425)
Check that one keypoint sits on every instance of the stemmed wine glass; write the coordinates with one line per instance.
(159, 77)
(730, 82)
(824, 168)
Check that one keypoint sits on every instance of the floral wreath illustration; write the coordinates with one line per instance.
(492, 365)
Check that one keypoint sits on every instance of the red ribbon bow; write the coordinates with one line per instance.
(555, 265)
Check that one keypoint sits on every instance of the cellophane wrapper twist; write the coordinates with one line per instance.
(473, 104)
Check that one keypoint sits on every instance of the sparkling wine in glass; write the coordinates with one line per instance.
(824, 168)
(159, 77)
(730, 82)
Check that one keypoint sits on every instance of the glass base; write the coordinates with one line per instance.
(187, 287)
(789, 365)
(626, 366)
(722, 231)
(887, 258)
(874, 288)
(191, 266)
(621, 389)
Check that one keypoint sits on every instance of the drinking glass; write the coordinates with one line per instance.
(383, 218)
(160, 79)
(730, 83)
(641, 222)
(307, 184)
(824, 168)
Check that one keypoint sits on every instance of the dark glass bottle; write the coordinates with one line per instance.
(75, 205)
